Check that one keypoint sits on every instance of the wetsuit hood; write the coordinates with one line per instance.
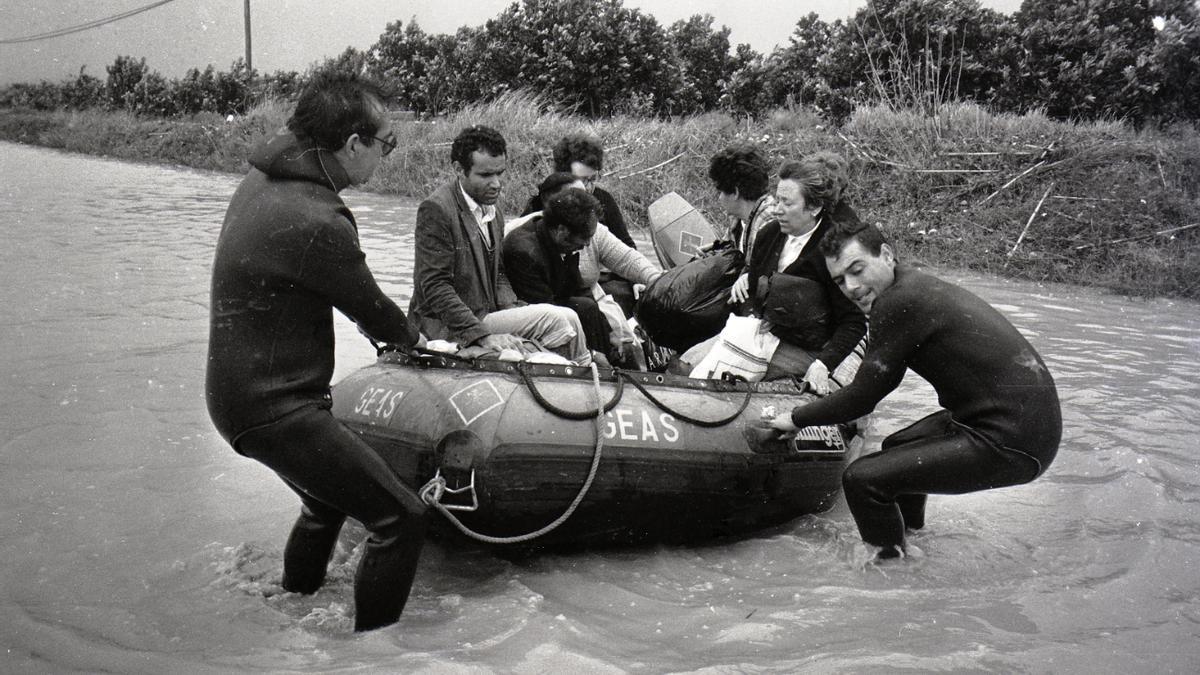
(287, 156)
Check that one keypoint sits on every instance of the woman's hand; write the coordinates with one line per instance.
(740, 290)
(817, 377)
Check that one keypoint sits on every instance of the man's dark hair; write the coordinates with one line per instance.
(823, 177)
(578, 148)
(842, 232)
(549, 185)
(574, 208)
(473, 138)
(740, 169)
(336, 104)
(553, 183)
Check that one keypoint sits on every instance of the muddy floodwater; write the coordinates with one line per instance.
(133, 540)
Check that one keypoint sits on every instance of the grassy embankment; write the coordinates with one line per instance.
(957, 190)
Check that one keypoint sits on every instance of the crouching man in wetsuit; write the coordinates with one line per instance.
(288, 254)
(1001, 424)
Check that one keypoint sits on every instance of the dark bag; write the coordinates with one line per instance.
(689, 304)
(655, 356)
(800, 306)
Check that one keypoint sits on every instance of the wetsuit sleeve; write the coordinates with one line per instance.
(435, 259)
(335, 267)
(527, 272)
(895, 333)
(849, 326)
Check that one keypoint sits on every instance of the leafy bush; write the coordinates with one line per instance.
(1133, 60)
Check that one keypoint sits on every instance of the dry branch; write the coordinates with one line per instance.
(651, 168)
(1084, 199)
(1122, 240)
(1041, 162)
(1015, 179)
(1029, 222)
(983, 154)
(954, 170)
(1068, 216)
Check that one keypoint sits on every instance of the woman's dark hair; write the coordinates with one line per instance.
(823, 177)
(336, 104)
(578, 148)
(478, 137)
(574, 208)
(740, 169)
(549, 185)
(841, 232)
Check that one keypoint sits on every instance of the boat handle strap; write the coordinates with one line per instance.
(569, 414)
(686, 418)
(432, 492)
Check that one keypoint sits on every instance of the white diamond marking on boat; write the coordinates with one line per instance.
(476, 400)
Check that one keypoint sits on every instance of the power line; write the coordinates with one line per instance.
(84, 26)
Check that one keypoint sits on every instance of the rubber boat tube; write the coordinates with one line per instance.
(683, 460)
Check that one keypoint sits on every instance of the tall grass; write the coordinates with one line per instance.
(955, 187)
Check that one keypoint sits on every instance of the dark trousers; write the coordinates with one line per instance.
(788, 360)
(336, 475)
(886, 491)
(596, 330)
(621, 290)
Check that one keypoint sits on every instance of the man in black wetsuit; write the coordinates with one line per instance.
(1001, 424)
(287, 256)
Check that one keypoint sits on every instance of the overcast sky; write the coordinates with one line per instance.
(292, 34)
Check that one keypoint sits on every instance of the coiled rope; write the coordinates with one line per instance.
(432, 492)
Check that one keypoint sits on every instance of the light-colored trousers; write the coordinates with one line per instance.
(555, 328)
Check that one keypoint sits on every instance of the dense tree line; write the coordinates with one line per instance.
(1075, 59)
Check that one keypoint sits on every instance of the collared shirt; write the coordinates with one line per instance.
(484, 214)
(792, 248)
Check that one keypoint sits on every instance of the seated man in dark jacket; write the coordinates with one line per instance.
(582, 156)
(542, 259)
(460, 290)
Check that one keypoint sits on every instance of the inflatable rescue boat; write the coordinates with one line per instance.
(538, 456)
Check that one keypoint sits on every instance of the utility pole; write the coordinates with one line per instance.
(249, 62)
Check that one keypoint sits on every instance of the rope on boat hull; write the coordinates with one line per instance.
(432, 492)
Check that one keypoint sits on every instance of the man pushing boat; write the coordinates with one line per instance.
(288, 254)
(1001, 422)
